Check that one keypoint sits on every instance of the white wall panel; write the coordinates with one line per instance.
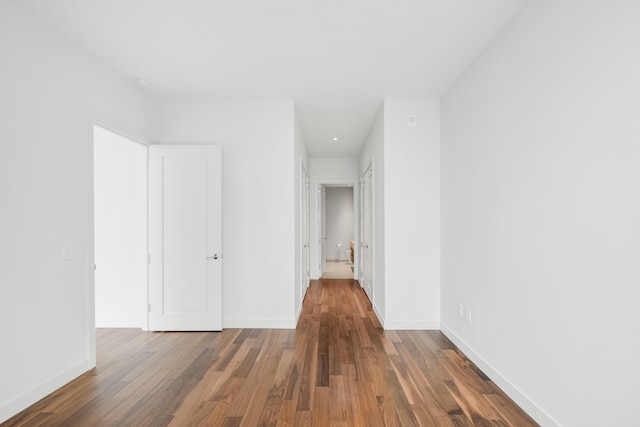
(540, 209)
(52, 93)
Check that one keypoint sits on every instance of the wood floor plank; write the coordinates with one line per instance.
(216, 417)
(337, 368)
(271, 407)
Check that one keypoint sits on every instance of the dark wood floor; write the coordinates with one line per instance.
(338, 368)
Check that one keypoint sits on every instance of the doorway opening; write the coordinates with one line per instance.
(337, 231)
(120, 229)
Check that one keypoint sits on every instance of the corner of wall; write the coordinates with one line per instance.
(14, 406)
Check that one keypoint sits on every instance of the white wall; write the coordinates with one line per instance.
(541, 208)
(339, 216)
(412, 214)
(258, 202)
(51, 94)
(120, 230)
(373, 151)
(406, 180)
(341, 171)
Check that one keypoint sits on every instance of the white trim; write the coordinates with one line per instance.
(119, 322)
(299, 310)
(259, 323)
(368, 169)
(378, 313)
(530, 407)
(321, 258)
(18, 404)
(90, 244)
(355, 184)
(305, 276)
(411, 325)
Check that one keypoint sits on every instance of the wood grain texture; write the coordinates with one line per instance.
(337, 368)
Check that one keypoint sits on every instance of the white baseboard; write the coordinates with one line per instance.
(259, 323)
(118, 322)
(400, 325)
(378, 314)
(530, 407)
(14, 406)
(298, 313)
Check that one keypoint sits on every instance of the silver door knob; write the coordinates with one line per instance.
(215, 256)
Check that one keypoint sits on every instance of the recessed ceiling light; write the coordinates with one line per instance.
(143, 82)
(335, 138)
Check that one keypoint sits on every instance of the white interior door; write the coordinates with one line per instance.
(185, 268)
(366, 227)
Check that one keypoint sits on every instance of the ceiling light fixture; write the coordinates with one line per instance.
(335, 139)
(143, 82)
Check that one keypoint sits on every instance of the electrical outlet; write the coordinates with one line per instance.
(468, 315)
(461, 310)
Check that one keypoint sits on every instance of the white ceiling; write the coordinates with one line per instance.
(337, 59)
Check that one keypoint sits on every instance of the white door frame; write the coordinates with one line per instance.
(363, 212)
(321, 217)
(322, 229)
(305, 258)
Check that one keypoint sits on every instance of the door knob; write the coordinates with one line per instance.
(215, 256)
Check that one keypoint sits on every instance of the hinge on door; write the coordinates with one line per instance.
(148, 258)
(149, 308)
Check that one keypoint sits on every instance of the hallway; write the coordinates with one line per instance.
(337, 368)
(338, 270)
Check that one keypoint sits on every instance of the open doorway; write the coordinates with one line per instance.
(337, 231)
(120, 230)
